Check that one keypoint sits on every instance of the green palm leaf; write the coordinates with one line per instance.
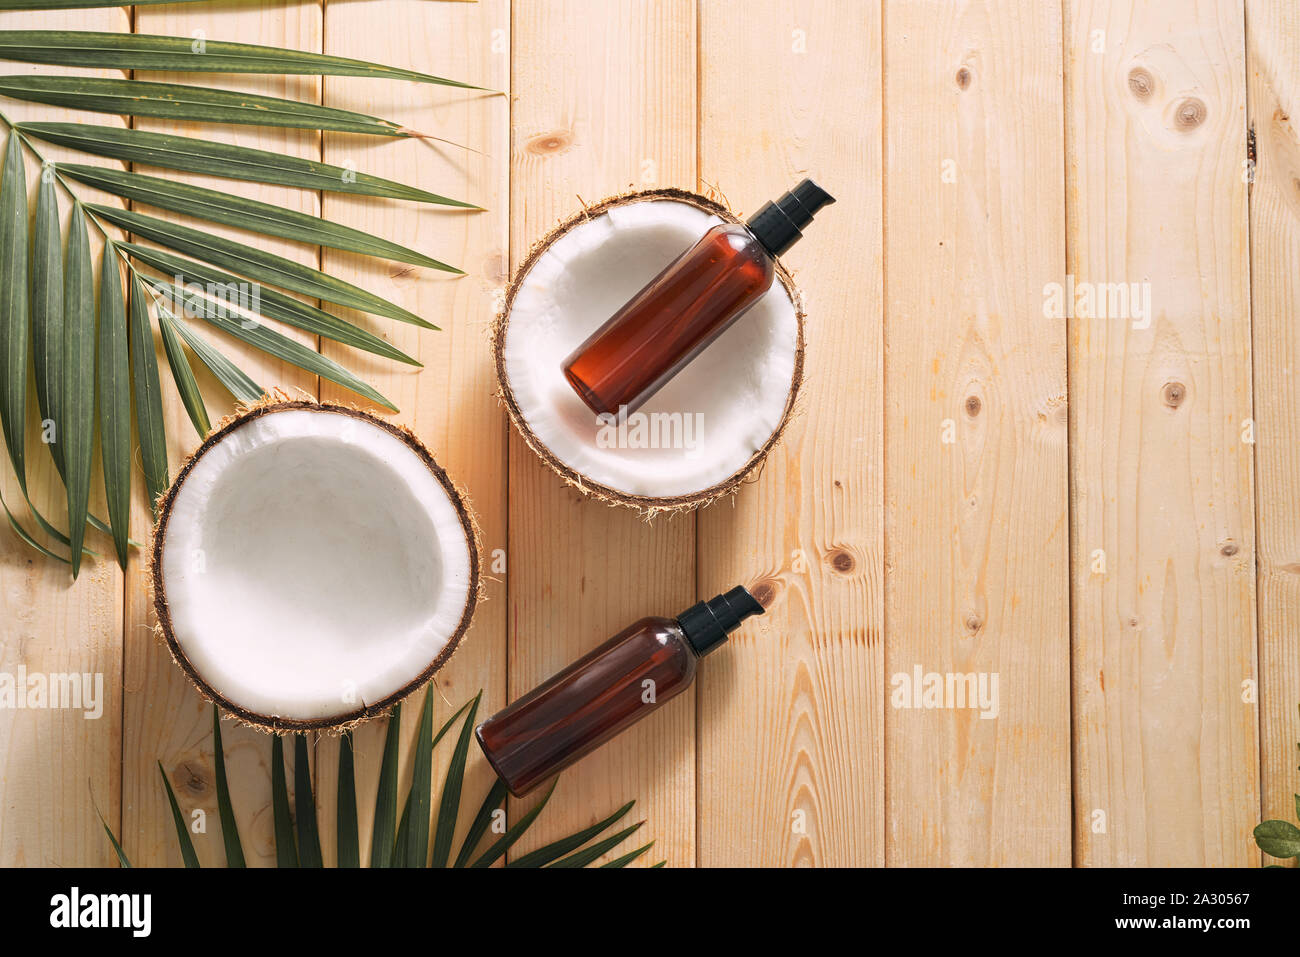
(186, 385)
(286, 853)
(176, 101)
(449, 805)
(271, 304)
(305, 806)
(131, 51)
(386, 851)
(149, 421)
(382, 841)
(235, 380)
(513, 833)
(182, 832)
(229, 828)
(112, 380)
(551, 852)
(225, 160)
(589, 854)
(415, 849)
(628, 858)
(349, 844)
(14, 316)
(44, 309)
(77, 424)
(230, 210)
(47, 309)
(403, 842)
(26, 537)
(117, 848)
(272, 342)
(256, 264)
(482, 821)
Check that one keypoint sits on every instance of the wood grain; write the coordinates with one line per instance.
(791, 736)
(604, 100)
(165, 720)
(450, 403)
(976, 548)
(58, 766)
(1166, 756)
(937, 502)
(1273, 101)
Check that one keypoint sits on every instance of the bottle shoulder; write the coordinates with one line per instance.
(661, 626)
(737, 242)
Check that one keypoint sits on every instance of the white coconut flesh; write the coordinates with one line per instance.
(731, 399)
(312, 564)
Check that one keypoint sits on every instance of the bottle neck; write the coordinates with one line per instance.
(707, 624)
(777, 224)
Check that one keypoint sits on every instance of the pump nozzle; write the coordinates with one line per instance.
(777, 225)
(707, 624)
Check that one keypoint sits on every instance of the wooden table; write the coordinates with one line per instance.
(1099, 511)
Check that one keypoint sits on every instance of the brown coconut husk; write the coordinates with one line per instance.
(244, 414)
(646, 504)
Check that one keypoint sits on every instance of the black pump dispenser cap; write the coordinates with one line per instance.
(777, 225)
(707, 624)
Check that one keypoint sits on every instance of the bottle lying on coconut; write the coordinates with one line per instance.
(607, 691)
(696, 298)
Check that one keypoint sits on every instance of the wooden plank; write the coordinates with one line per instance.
(56, 766)
(791, 716)
(975, 436)
(450, 403)
(1162, 530)
(604, 100)
(165, 720)
(1273, 102)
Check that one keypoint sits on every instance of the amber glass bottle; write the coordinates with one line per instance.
(690, 303)
(628, 677)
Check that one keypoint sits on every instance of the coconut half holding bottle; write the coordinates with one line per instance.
(312, 565)
(650, 348)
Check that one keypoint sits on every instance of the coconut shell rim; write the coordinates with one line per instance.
(647, 504)
(345, 720)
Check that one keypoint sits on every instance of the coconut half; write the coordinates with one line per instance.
(312, 565)
(704, 432)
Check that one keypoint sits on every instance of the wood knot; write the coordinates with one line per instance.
(1173, 394)
(1228, 549)
(191, 778)
(1141, 83)
(842, 561)
(963, 78)
(1190, 114)
(557, 141)
(1133, 622)
(973, 623)
(973, 405)
(764, 592)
